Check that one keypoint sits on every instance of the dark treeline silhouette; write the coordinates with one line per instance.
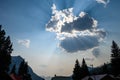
(103, 69)
(115, 59)
(5, 61)
(80, 72)
(112, 68)
(5, 55)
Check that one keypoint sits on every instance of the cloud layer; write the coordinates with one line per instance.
(75, 33)
(25, 42)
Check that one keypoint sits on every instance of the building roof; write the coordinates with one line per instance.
(107, 77)
(99, 77)
(61, 78)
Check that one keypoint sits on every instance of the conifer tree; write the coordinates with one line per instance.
(85, 71)
(5, 51)
(115, 49)
(5, 54)
(115, 59)
(77, 71)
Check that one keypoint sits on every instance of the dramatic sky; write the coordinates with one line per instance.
(51, 34)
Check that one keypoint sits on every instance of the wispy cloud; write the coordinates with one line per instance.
(105, 2)
(89, 59)
(43, 66)
(25, 42)
(75, 32)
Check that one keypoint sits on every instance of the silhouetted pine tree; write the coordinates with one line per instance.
(23, 71)
(5, 51)
(77, 71)
(13, 70)
(5, 55)
(115, 49)
(84, 67)
(115, 59)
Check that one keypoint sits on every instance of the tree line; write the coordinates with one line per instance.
(112, 68)
(80, 72)
(5, 60)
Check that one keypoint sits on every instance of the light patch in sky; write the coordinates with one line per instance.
(89, 59)
(75, 33)
(25, 42)
(105, 2)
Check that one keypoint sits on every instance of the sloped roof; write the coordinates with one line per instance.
(97, 77)
(61, 78)
(107, 77)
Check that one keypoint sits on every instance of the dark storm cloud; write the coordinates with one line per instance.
(82, 23)
(96, 52)
(79, 43)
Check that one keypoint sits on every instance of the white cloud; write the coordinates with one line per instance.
(105, 2)
(25, 42)
(65, 19)
(75, 32)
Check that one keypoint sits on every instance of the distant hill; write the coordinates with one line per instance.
(17, 60)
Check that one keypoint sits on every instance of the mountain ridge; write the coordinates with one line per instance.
(16, 60)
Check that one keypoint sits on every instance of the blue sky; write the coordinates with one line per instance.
(47, 46)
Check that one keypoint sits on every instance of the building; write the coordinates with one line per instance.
(61, 78)
(99, 77)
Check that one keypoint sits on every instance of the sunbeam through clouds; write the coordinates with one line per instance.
(75, 33)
